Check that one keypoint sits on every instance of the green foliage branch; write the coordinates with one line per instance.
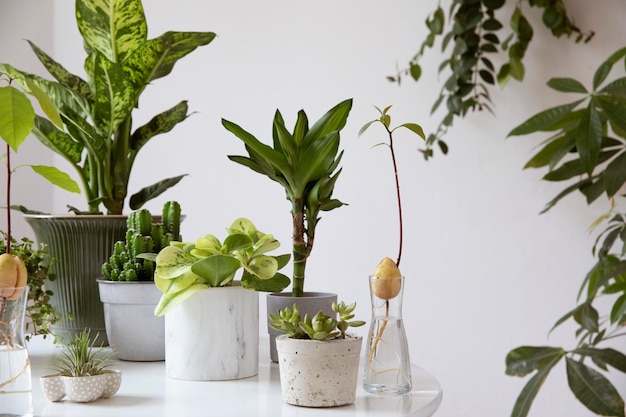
(586, 150)
(474, 37)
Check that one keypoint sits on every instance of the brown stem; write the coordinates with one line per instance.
(395, 171)
(8, 198)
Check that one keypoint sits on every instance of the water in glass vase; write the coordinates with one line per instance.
(15, 382)
(387, 365)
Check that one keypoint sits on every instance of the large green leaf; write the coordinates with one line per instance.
(173, 262)
(275, 284)
(333, 120)
(114, 28)
(57, 140)
(566, 85)
(589, 139)
(552, 152)
(530, 390)
(605, 68)
(615, 110)
(161, 123)
(170, 301)
(610, 356)
(525, 359)
(216, 270)
(115, 95)
(593, 390)
(615, 174)
(544, 120)
(17, 116)
(57, 177)
(152, 191)
(315, 162)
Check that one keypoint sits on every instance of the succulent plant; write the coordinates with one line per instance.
(318, 327)
(142, 236)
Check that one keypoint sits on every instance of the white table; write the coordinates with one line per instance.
(147, 392)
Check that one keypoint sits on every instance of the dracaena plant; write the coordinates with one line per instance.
(586, 147)
(305, 163)
(89, 121)
(182, 269)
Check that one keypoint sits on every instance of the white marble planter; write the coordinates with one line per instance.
(132, 329)
(318, 373)
(214, 335)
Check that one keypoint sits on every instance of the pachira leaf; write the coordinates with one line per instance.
(603, 70)
(161, 123)
(17, 116)
(618, 313)
(615, 174)
(264, 267)
(588, 317)
(152, 191)
(525, 359)
(593, 390)
(114, 28)
(57, 177)
(567, 85)
(589, 139)
(616, 88)
(530, 390)
(552, 152)
(568, 190)
(170, 301)
(544, 120)
(275, 284)
(609, 356)
(216, 270)
(173, 262)
(614, 110)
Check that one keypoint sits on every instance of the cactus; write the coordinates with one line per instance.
(142, 236)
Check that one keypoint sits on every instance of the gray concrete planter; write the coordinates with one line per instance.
(133, 330)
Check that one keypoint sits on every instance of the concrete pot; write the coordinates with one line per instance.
(310, 304)
(133, 330)
(214, 335)
(318, 373)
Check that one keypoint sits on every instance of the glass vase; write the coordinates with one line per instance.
(387, 363)
(15, 378)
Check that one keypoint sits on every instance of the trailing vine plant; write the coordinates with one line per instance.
(473, 35)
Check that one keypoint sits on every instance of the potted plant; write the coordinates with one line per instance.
(127, 290)
(211, 319)
(317, 359)
(89, 123)
(82, 372)
(305, 163)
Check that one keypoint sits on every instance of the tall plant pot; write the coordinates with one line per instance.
(310, 304)
(79, 244)
(315, 373)
(133, 330)
(214, 335)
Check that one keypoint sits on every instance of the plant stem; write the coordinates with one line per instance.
(397, 179)
(8, 199)
(301, 249)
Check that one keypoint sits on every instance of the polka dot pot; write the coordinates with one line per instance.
(81, 389)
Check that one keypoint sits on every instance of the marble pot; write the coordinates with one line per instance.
(310, 303)
(214, 335)
(132, 329)
(317, 373)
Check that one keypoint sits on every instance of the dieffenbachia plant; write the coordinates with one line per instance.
(183, 269)
(306, 163)
(89, 121)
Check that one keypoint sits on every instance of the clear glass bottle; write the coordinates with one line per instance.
(387, 362)
(15, 378)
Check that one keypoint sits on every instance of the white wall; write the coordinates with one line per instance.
(485, 272)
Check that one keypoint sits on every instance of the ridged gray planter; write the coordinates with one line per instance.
(310, 304)
(133, 330)
(79, 244)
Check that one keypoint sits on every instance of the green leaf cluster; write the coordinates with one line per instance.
(143, 235)
(89, 121)
(318, 327)
(184, 268)
(585, 148)
(39, 312)
(305, 162)
(474, 39)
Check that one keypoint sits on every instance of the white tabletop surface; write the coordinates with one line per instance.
(147, 392)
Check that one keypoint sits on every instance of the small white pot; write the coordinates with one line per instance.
(81, 389)
(318, 373)
(214, 335)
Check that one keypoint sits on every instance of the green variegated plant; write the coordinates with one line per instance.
(183, 268)
(89, 121)
(306, 163)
